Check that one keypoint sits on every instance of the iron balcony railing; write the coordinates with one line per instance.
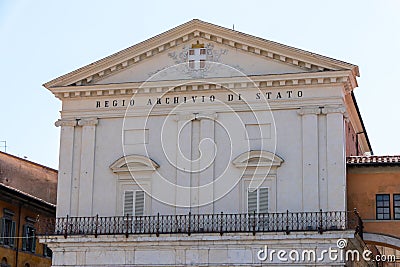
(202, 223)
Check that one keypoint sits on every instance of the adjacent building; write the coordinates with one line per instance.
(27, 193)
(373, 188)
(205, 146)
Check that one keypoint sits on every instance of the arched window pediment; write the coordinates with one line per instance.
(133, 163)
(257, 158)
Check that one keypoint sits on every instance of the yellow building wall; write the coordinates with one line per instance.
(34, 259)
(363, 184)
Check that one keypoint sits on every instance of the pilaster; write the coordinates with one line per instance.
(183, 166)
(65, 166)
(336, 168)
(87, 166)
(310, 181)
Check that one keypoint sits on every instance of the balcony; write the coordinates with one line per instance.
(220, 223)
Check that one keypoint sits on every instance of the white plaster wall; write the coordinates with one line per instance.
(292, 182)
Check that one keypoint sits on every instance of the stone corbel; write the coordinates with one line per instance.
(88, 122)
(309, 111)
(66, 122)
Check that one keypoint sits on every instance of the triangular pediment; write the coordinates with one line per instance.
(219, 61)
(229, 54)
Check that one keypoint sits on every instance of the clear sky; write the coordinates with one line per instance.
(41, 40)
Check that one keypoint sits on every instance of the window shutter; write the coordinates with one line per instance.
(139, 203)
(24, 237)
(13, 234)
(128, 203)
(251, 201)
(2, 226)
(263, 200)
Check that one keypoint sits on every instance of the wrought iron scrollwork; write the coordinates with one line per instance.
(286, 222)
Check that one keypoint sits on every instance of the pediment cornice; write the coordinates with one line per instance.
(330, 78)
(192, 30)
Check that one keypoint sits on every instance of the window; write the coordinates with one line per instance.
(134, 203)
(396, 206)
(29, 238)
(7, 228)
(257, 200)
(383, 207)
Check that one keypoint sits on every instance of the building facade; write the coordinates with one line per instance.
(201, 146)
(19, 210)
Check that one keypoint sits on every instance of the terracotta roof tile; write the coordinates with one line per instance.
(373, 160)
(27, 195)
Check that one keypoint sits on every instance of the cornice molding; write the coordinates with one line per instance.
(287, 104)
(193, 30)
(231, 83)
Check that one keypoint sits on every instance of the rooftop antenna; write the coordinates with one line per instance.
(5, 146)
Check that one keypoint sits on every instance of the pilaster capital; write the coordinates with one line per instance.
(196, 116)
(184, 117)
(334, 109)
(205, 115)
(309, 111)
(88, 122)
(65, 122)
